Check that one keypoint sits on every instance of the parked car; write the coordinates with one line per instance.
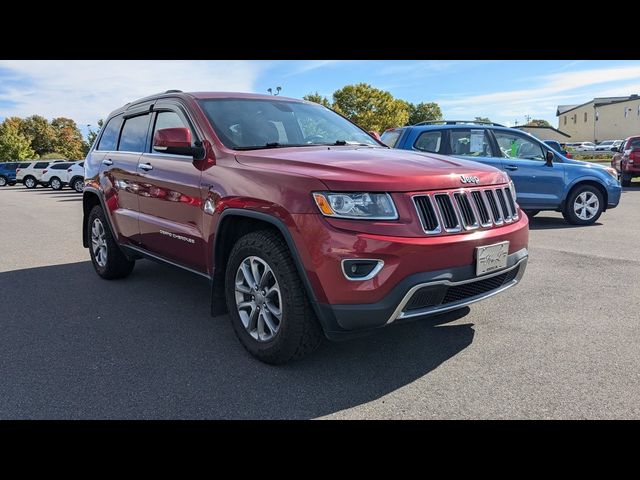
(8, 173)
(582, 146)
(75, 176)
(55, 175)
(609, 145)
(302, 221)
(627, 160)
(544, 179)
(558, 147)
(30, 173)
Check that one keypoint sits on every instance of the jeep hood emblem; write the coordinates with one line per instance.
(469, 179)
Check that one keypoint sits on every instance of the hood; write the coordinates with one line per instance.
(375, 169)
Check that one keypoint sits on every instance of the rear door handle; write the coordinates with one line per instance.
(511, 167)
(146, 166)
(107, 161)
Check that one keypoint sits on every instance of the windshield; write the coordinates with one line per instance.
(248, 124)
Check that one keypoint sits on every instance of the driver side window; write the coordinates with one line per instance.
(518, 147)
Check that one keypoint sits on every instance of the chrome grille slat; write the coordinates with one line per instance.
(465, 209)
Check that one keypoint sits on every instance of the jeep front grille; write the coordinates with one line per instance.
(465, 209)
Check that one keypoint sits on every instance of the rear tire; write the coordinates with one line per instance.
(108, 260)
(625, 181)
(297, 331)
(30, 182)
(531, 213)
(55, 183)
(77, 184)
(575, 214)
(3, 181)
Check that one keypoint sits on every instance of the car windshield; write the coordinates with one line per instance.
(249, 124)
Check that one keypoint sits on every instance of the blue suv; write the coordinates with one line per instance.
(8, 173)
(544, 178)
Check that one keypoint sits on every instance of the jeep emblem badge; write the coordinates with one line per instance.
(469, 179)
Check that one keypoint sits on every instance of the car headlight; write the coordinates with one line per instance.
(366, 206)
(612, 171)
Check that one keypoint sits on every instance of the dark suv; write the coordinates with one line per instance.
(8, 173)
(302, 221)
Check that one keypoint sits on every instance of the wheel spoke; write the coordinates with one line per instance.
(255, 270)
(242, 288)
(266, 316)
(274, 310)
(250, 303)
(253, 319)
(265, 276)
(248, 276)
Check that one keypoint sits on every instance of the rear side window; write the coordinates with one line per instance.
(109, 139)
(41, 165)
(470, 142)
(390, 137)
(81, 164)
(60, 166)
(134, 134)
(429, 141)
(24, 165)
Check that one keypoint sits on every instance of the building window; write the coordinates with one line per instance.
(565, 118)
(585, 116)
(596, 116)
(639, 110)
(626, 112)
(575, 118)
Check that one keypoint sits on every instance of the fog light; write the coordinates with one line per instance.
(359, 269)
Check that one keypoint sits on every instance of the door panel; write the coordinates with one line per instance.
(538, 185)
(170, 210)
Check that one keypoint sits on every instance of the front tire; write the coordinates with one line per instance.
(625, 181)
(77, 184)
(108, 260)
(531, 213)
(30, 182)
(267, 301)
(55, 183)
(584, 205)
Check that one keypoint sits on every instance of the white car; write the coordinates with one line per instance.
(75, 176)
(31, 175)
(608, 145)
(55, 175)
(582, 146)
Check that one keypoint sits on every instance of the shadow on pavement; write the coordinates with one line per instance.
(146, 347)
(546, 223)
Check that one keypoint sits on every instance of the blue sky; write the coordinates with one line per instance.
(503, 90)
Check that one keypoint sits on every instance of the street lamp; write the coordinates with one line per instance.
(270, 90)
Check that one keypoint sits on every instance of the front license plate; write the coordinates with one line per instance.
(491, 257)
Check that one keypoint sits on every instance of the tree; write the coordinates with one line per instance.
(370, 108)
(317, 98)
(40, 132)
(14, 145)
(68, 140)
(424, 112)
(53, 156)
(482, 119)
(537, 122)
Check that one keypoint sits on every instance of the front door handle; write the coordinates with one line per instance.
(107, 161)
(511, 167)
(146, 166)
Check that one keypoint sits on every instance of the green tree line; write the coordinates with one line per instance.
(35, 137)
(375, 109)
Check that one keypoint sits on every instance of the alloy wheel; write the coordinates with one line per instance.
(78, 186)
(258, 299)
(30, 182)
(55, 184)
(99, 242)
(586, 205)
(3, 181)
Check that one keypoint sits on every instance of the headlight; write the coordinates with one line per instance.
(369, 206)
(612, 171)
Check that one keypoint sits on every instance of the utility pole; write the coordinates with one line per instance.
(527, 118)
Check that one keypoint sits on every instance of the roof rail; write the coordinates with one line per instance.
(459, 122)
(173, 91)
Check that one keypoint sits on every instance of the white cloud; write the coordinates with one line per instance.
(89, 90)
(305, 66)
(542, 100)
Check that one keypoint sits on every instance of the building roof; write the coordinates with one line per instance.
(520, 127)
(596, 102)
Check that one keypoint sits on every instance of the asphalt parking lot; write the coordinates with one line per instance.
(562, 344)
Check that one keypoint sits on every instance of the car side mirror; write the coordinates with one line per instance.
(549, 158)
(176, 141)
(375, 135)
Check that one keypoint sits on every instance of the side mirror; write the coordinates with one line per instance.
(176, 141)
(549, 158)
(375, 135)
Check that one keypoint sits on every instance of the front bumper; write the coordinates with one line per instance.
(421, 295)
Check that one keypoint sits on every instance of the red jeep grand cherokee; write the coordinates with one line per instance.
(301, 220)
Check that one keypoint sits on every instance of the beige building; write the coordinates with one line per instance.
(605, 118)
(546, 133)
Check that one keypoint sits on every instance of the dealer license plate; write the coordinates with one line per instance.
(491, 257)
